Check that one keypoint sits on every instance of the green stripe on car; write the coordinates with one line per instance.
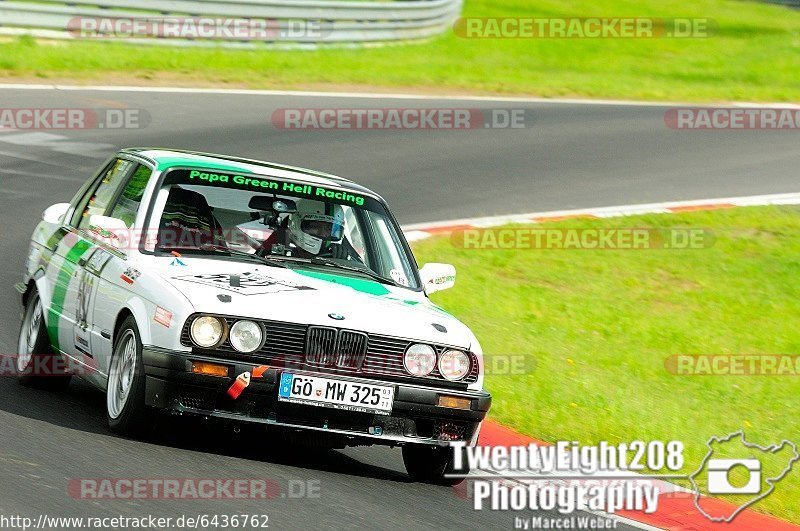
(61, 287)
(364, 286)
(171, 162)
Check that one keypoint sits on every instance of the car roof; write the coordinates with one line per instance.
(173, 158)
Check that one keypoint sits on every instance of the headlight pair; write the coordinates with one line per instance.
(420, 360)
(208, 332)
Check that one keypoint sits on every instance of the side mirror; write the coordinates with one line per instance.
(437, 277)
(55, 213)
(107, 229)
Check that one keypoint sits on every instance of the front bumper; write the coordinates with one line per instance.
(416, 416)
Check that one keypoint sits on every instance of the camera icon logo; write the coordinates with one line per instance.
(748, 478)
(719, 476)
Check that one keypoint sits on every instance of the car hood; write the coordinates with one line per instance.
(315, 296)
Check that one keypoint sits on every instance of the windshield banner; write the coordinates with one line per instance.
(265, 184)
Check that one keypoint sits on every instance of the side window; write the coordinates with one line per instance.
(353, 232)
(392, 263)
(128, 203)
(105, 191)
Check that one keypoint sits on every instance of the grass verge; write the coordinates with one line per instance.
(595, 328)
(755, 56)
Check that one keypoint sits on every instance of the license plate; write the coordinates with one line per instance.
(338, 394)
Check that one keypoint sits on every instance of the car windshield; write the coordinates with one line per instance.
(300, 224)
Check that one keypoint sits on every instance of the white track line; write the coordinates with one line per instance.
(371, 95)
(420, 231)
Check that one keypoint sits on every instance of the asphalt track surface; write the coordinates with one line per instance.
(568, 156)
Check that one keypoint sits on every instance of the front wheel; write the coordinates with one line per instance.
(125, 408)
(431, 464)
(36, 364)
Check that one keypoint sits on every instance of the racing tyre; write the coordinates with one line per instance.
(36, 364)
(429, 464)
(125, 407)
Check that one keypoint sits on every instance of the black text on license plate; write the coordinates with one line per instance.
(339, 394)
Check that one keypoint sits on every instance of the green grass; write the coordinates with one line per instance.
(754, 56)
(595, 328)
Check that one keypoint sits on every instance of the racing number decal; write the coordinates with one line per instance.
(97, 261)
(84, 299)
(94, 267)
(61, 285)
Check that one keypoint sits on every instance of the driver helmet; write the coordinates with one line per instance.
(310, 225)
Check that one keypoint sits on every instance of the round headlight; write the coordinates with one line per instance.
(454, 365)
(419, 359)
(207, 331)
(246, 336)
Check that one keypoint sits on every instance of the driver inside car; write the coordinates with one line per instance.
(317, 230)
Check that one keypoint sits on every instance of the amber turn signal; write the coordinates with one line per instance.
(454, 402)
(209, 369)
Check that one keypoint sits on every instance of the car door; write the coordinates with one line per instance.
(109, 272)
(75, 286)
(64, 250)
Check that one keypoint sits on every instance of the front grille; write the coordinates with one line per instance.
(351, 349)
(330, 349)
(321, 345)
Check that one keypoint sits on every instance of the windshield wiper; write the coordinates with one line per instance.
(278, 259)
(327, 262)
(213, 247)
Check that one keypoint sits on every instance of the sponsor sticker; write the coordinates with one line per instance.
(399, 277)
(163, 317)
(130, 275)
